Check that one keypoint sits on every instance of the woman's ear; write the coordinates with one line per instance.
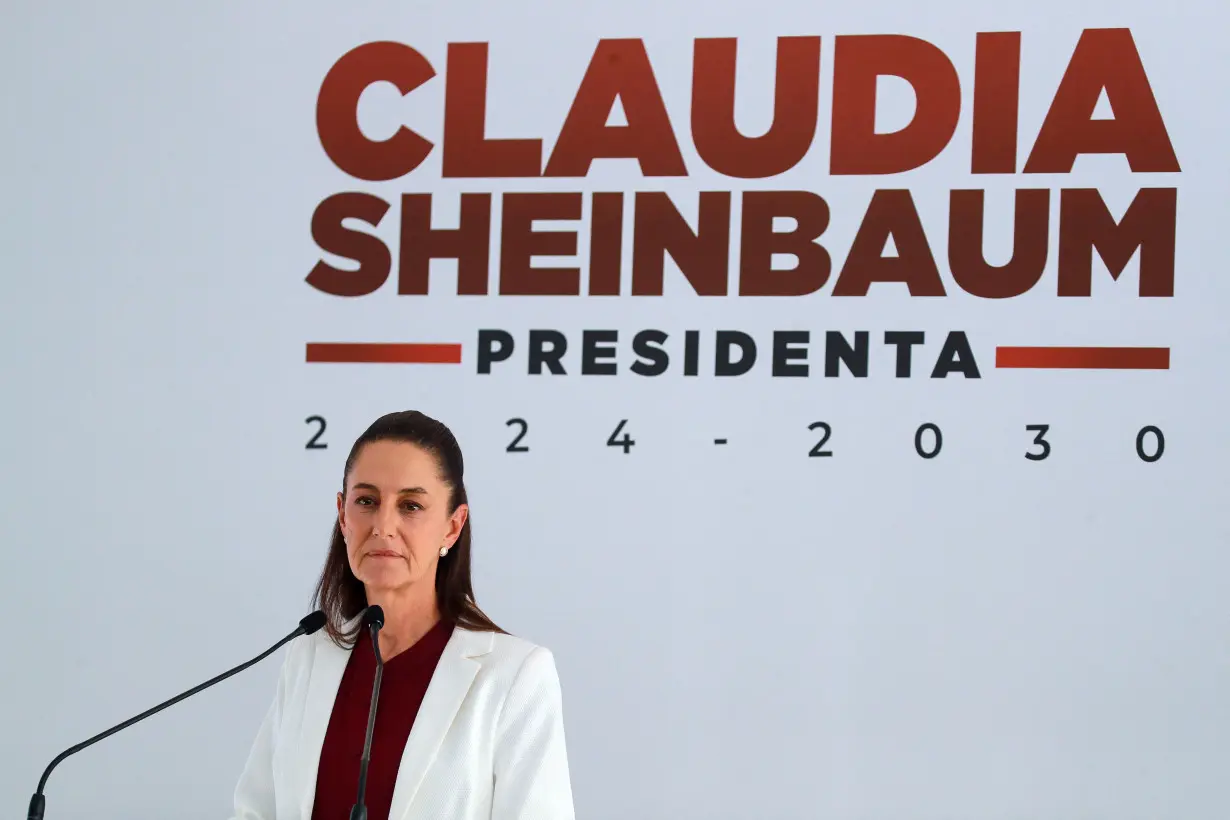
(457, 522)
(341, 512)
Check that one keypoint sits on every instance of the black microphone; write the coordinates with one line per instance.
(307, 626)
(373, 619)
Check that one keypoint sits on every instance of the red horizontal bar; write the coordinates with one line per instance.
(383, 353)
(1084, 358)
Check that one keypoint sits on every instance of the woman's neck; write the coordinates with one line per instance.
(408, 616)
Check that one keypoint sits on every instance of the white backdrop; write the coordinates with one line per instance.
(741, 630)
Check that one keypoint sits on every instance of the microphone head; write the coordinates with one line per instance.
(374, 617)
(312, 623)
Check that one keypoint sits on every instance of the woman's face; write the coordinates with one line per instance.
(394, 515)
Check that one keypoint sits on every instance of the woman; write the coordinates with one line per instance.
(469, 721)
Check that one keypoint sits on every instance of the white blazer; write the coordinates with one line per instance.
(488, 741)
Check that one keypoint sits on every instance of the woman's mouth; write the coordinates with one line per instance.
(383, 554)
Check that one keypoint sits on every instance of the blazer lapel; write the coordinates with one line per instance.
(328, 666)
(448, 688)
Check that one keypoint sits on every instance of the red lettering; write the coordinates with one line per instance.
(997, 93)
(333, 237)
(1030, 233)
(606, 243)
(890, 214)
(619, 69)
(1148, 226)
(520, 243)
(757, 276)
(469, 244)
(857, 61)
(337, 121)
(796, 100)
(1147, 231)
(467, 150)
(1104, 59)
(703, 256)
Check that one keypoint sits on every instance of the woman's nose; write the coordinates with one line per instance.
(386, 521)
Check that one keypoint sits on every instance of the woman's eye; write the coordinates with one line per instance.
(363, 501)
(410, 506)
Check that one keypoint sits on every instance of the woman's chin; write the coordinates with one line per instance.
(384, 578)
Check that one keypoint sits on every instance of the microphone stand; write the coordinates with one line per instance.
(375, 620)
(38, 802)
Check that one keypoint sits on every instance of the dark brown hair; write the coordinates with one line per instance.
(341, 596)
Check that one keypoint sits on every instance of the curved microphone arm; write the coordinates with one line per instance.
(307, 626)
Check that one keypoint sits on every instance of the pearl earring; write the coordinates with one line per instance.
(443, 551)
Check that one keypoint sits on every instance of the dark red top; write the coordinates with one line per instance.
(402, 687)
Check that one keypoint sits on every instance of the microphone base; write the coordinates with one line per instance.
(38, 803)
(356, 813)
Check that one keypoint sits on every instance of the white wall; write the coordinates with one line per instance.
(742, 631)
